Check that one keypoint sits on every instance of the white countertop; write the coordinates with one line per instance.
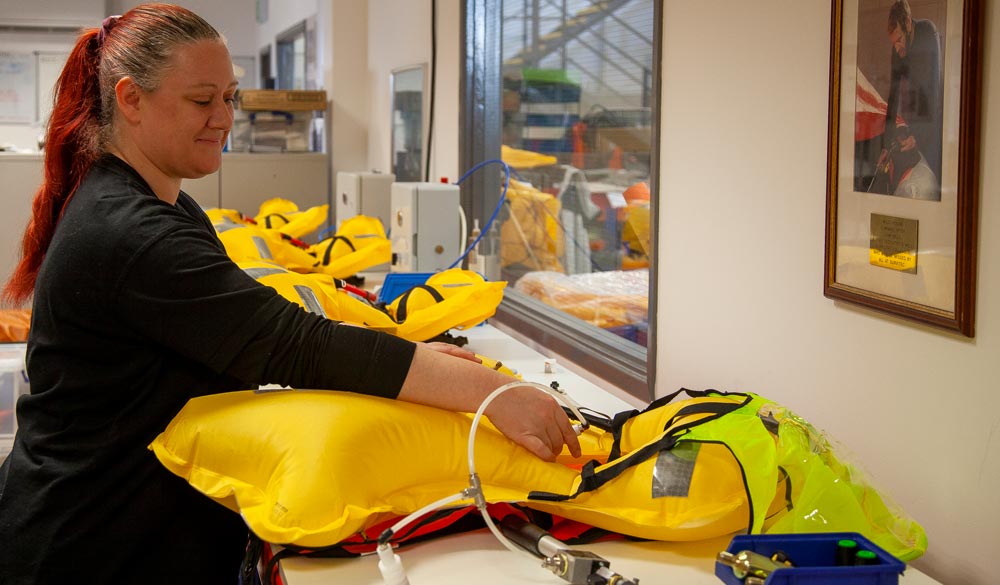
(478, 558)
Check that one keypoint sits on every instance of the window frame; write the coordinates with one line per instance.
(626, 365)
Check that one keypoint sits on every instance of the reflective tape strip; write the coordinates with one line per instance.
(262, 248)
(259, 273)
(673, 470)
(226, 225)
(309, 299)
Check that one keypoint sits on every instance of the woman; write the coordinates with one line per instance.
(136, 309)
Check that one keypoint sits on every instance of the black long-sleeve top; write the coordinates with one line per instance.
(138, 309)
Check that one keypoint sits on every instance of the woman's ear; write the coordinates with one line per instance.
(128, 97)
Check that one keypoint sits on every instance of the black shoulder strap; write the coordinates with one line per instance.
(329, 248)
(267, 220)
(401, 308)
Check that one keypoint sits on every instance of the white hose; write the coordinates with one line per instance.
(427, 509)
(389, 562)
(480, 501)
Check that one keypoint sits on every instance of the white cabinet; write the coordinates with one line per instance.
(248, 179)
(20, 177)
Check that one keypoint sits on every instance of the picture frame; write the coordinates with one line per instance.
(902, 175)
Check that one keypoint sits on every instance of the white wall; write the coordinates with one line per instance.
(235, 19)
(741, 253)
(282, 15)
(400, 36)
(346, 85)
(50, 12)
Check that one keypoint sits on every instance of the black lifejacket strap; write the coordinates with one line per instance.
(267, 220)
(401, 307)
(329, 248)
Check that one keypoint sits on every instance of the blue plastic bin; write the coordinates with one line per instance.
(397, 283)
(814, 557)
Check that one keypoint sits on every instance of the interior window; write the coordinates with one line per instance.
(575, 119)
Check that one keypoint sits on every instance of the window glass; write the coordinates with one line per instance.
(577, 129)
(407, 87)
(291, 46)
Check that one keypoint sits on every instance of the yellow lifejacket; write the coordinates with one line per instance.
(359, 243)
(318, 294)
(450, 299)
(249, 243)
(284, 215)
(312, 468)
(227, 216)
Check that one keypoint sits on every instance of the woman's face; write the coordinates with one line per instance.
(185, 122)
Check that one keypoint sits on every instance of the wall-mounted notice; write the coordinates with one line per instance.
(17, 88)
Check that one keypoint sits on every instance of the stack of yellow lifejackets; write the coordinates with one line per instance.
(531, 236)
(269, 248)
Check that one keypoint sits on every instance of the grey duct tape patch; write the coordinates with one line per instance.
(309, 299)
(673, 470)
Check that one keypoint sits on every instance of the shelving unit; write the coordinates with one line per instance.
(540, 109)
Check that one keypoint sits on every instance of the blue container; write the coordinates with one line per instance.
(397, 283)
(815, 560)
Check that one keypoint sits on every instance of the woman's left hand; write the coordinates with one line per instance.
(453, 350)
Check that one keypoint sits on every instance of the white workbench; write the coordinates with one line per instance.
(478, 558)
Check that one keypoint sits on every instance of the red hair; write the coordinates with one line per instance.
(70, 149)
(138, 45)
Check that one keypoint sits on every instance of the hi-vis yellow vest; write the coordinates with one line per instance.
(312, 468)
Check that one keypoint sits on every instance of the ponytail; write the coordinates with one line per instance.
(139, 44)
(71, 146)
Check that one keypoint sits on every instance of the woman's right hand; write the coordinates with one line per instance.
(535, 420)
(528, 416)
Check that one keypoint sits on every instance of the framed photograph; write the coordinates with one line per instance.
(902, 180)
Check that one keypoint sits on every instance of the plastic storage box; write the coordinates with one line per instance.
(13, 383)
(397, 283)
(815, 560)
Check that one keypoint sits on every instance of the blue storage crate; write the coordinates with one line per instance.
(564, 120)
(397, 283)
(815, 560)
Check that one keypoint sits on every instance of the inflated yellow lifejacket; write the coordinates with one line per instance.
(284, 215)
(249, 243)
(227, 216)
(319, 294)
(312, 468)
(525, 159)
(326, 465)
(359, 243)
(450, 299)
